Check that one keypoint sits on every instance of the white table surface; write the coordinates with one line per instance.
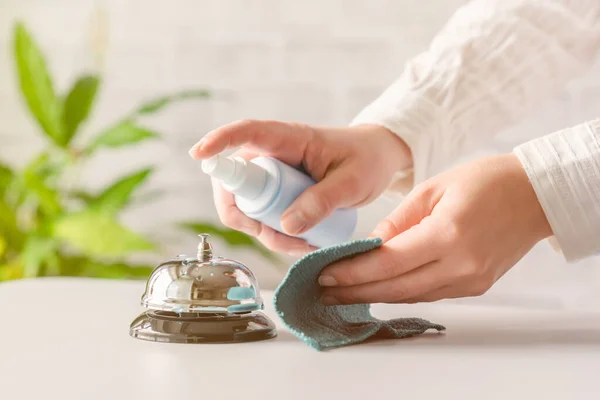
(68, 339)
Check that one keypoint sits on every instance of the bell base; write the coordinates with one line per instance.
(170, 327)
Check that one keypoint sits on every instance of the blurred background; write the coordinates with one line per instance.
(101, 100)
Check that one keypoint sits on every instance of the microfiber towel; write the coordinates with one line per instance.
(297, 302)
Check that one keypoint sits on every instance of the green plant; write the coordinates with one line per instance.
(49, 226)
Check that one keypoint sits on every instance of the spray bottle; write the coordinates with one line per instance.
(265, 187)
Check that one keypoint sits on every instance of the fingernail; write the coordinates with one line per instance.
(329, 301)
(293, 223)
(326, 280)
(195, 148)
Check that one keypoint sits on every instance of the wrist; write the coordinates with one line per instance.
(539, 222)
(393, 148)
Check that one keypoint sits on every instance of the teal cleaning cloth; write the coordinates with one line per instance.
(297, 302)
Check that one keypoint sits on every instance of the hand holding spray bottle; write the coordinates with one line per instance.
(265, 187)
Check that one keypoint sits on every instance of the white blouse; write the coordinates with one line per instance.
(492, 63)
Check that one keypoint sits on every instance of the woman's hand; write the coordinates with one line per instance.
(352, 166)
(454, 236)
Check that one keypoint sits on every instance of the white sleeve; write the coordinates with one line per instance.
(492, 63)
(564, 170)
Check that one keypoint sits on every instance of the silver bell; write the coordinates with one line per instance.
(202, 300)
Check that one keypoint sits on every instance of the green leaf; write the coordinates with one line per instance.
(77, 105)
(122, 134)
(34, 187)
(36, 85)
(116, 271)
(83, 266)
(47, 197)
(46, 165)
(119, 194)
(87, 198)
(232, 237)
(6, 177)
(98, 234)
(9, 228)
(70, 265)
(10, 271)
(34, 180)
(158, 104)
(37, 250)
(3, 246)
(38, 164)
(52, 265)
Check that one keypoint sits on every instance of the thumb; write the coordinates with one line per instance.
(337, 190)
(413, 209)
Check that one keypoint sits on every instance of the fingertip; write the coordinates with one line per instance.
(207, 147)
(311, 207)
(333, 296)
(383, 231)
(193, 152)
(210, 147)
(333, 275)
(294, 222)
(328, 300)
(327, 280)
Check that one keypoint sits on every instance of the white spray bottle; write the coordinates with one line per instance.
(265, 187)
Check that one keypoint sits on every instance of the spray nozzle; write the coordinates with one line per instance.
(219, 167)
(237, 175)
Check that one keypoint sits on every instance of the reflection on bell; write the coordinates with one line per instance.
(202, 300)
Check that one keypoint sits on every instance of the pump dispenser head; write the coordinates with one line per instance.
(238, 176)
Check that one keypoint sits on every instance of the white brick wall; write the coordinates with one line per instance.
(311, 61)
